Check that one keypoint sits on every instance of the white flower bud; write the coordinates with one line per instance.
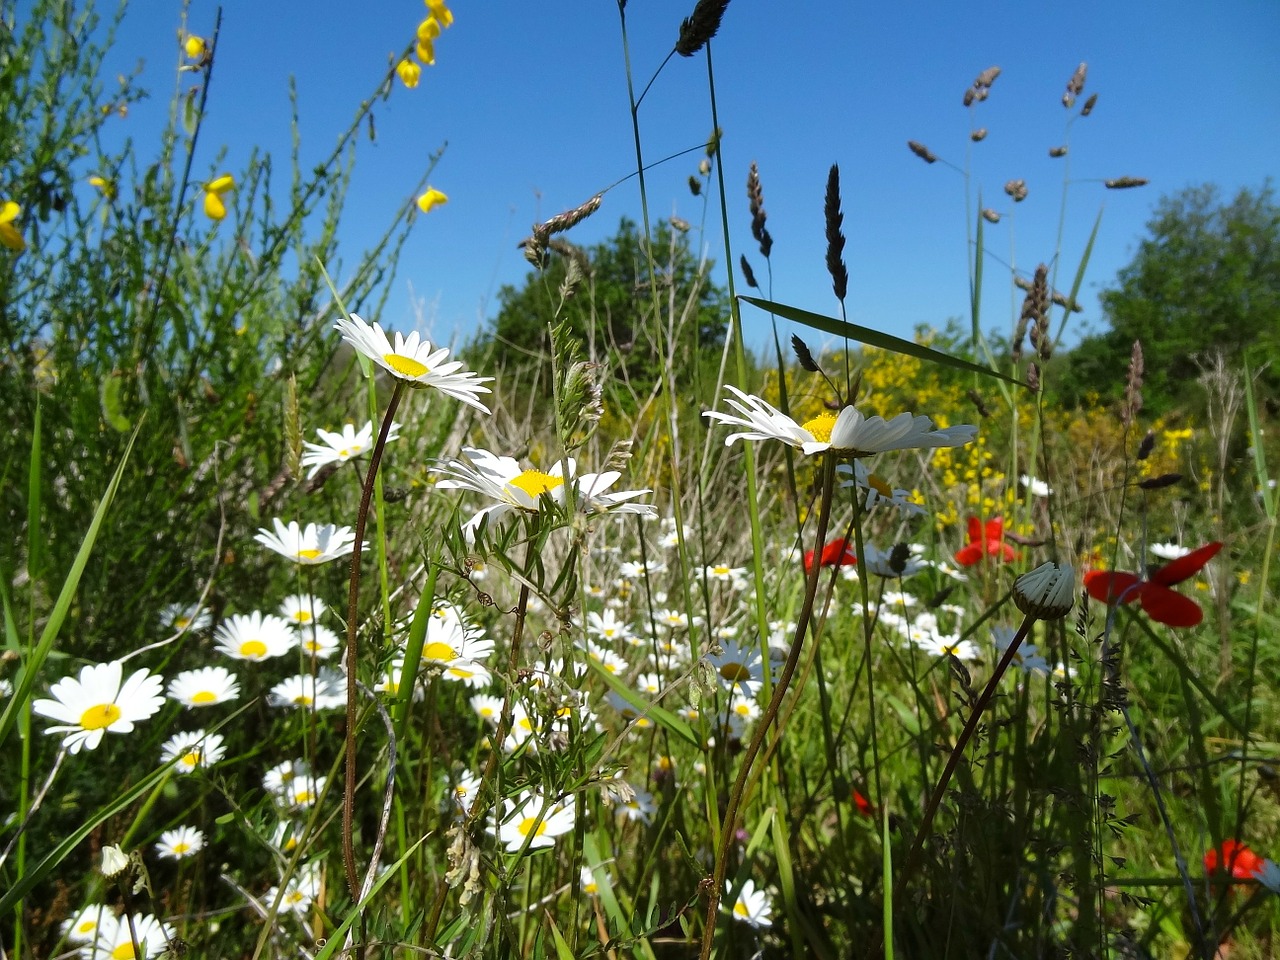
(113, 860)
(1048, 592)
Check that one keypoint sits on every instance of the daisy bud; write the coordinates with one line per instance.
(1047, 592)
(113, 861)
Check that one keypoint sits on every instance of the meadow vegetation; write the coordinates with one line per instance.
(602, 636)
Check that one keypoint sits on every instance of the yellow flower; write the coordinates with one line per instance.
(432, 198)
(428, 30)
(409, 73)
(441, 12)
(195, 47)
(426, 52)
(105, 186)
(214, 207)
(10, 235)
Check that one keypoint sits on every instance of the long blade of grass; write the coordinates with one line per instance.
(1079, 277)
(31, 669)
(664, 718)
(874, 338)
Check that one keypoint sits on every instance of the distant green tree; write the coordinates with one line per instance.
(612, 309)
(1206, 279)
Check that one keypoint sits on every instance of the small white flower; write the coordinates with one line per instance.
(534, 819)
(413, 360)
(204, 687)
(88, 707)
(894, 562)
(318, 641)
(302, 609)
(90, 923)
(299, 893)
(255, 636)
(738, 669)
(190, 617)
(1168, 551)
(192, 751)
(942, 644)
(341, 447)
(1038, 488)
(327, 690)
(607, 626)
(317, 543)
(468, 672)
(751, 905)
(180, 843)
(487, 708)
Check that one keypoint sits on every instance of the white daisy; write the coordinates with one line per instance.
(393, 677)
(609, 661)
(607, 626)
(628, 713)
(534, 819)
(185, 616)
(738, 669)
(848, 432)
(449, 639)
(192, 751)
(411, 359)
(473, 674)
(587, 881)
(179, 843)
(639, 806)
(302, 609)
(93, 921)
(487, 708)
(281, 777)
(255, 636)
(318, 543)
(299, 893)
(117, 943)
(751, 905)
(97, 701)
(341, 447)
(745, 709)
(204, 687)
(942, 644)
(464, 791)
(318, 641)
(897, 561)
(327, 690)
(877, 489)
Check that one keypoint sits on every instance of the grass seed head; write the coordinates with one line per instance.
(1133, 388)
(1017, 189)
(835, 239)
(1075, 86)
(700, 26)
(755, 202)
(921, 151)
(1125, 183)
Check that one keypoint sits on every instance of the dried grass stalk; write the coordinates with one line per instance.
(1133, 388)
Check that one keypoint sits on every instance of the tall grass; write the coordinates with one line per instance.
(649, 706)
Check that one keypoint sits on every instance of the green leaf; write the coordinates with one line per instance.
(31, 668)
(874, 338)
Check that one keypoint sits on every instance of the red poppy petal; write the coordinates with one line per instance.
(968, 556)
(1007, 552)
(995, 528)
(1170, 607)
(837, 553)
(808, 561)
(975, 530)
(1175, 571)
(1109, 586)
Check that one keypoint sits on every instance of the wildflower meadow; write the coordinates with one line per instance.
(601, 634)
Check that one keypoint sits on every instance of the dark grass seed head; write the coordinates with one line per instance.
(835, 239)
(700, 26)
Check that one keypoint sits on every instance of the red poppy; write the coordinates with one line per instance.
(1239, 860)
(837, 553)
(1161, 603)
(865, 806)
(985, 540)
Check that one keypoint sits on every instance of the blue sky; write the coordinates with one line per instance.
(531, 99)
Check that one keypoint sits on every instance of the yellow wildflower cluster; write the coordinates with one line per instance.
(429, 29)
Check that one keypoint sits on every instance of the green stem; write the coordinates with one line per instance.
(353, 606)
(738, 791)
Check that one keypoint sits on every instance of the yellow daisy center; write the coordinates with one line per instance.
(181, 847)
(743, 710)
(302, 700)
(303, 616)
(293, 896)
(123, 952)
(820, 426)
(486, 712)
(204, 696)
(740, 909)
(310, 553)
(720, 570)
(733, 672)
(535, 483)
(87, 926)
(253, 648)
(526, 827)
(439, 651)
(191, 759)
(879, 486)
(103, 715)
(344, 454)
(182, 623)
(405, 366)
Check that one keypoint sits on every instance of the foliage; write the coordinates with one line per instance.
(1206, 280)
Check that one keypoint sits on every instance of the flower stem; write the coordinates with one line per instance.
(738, 791)
(353, 603)
(953, 761)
